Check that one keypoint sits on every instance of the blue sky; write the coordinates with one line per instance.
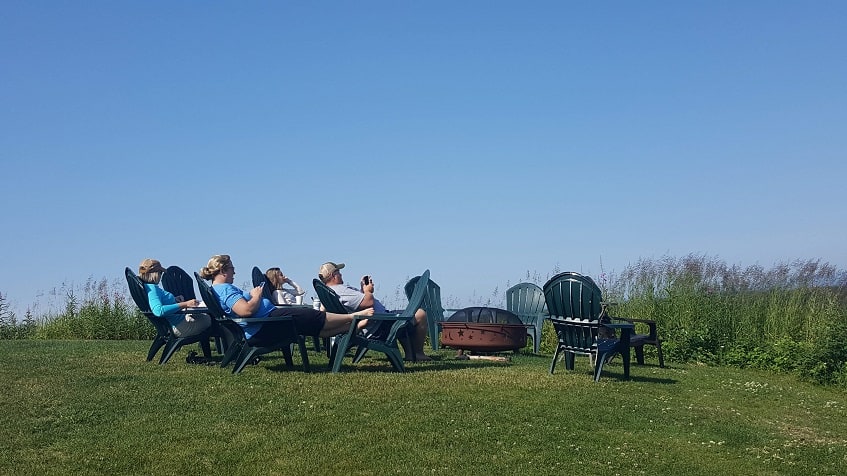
(479, 139)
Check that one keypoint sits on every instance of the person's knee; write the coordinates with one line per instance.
(420, 315)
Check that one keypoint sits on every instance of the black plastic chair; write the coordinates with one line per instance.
(237, 347)
(267, 292)
(177, 282)
(164, 333)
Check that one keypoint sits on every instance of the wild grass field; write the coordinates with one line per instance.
(755, 384)
(97, 407)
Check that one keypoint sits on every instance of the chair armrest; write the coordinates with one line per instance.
(651, 324)
(260, 320)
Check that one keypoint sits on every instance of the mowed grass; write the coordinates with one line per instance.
(96, 407)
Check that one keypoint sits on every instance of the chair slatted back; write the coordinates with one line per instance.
(210, 298)
(432, 300)
(525, 300)
(177, 282)
(138, 293)
(329, 298)
(571, 295)
(258, 278)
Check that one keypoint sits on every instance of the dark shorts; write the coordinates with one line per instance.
(308, 321)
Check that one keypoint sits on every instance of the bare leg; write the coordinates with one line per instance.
(420, 334)
(339, 323)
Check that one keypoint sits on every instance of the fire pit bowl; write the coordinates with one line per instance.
(483, 329)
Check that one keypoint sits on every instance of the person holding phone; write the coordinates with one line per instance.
(363, 298)
(238, 303)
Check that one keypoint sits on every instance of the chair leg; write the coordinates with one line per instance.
(626, 358)
(433, 334)
(304, 355)
(639, 354)
(157, 344)
(360, 353)
(342, 345)
(555, 358)
(570, 360)
(659, 351)
(395, 359)
(598, 368)
(328, 343)
(169, 350)
(233, 352)
(205, 347)
(286, 352)
(243, 358)
(536, 341)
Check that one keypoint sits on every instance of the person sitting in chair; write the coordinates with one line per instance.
(283, 295)
(363, 298)
(166, 305)
(234, 301)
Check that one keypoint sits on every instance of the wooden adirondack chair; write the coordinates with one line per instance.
(526, 300)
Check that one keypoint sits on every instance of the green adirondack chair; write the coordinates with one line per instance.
(526, 300)
(165, 338)
(432, 306)
(384, 338)
(240, 350)
(574, 304)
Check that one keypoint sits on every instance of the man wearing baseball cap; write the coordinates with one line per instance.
(363, 298)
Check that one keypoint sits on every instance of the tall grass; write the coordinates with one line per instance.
(784, 318)
(95, 310)
(791, 317)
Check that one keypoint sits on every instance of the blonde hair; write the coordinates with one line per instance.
(150, 271)
(274, 275)
(215, 265)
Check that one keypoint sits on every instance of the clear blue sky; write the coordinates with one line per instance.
(479, 139)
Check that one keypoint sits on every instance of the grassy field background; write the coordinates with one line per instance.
(96, 407)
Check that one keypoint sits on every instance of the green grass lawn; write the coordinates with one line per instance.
(96, 407)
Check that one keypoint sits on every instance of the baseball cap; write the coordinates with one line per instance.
(328, 268)
(150, 266)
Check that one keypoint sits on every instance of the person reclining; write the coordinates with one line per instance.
(234, 301)
(363, 298)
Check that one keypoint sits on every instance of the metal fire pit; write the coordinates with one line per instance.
(483, 329)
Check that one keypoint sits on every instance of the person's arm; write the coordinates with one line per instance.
(298, 291)
(158, 307)
(245, 308)
(368, 291)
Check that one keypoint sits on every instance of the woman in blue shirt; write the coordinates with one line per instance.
(238, 303)
(166, 305)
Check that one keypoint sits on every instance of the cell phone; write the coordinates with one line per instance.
(366, 279)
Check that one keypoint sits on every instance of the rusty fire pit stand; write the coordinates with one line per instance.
(485, 331)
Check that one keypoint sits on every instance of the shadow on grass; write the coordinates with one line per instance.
(377, 363)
